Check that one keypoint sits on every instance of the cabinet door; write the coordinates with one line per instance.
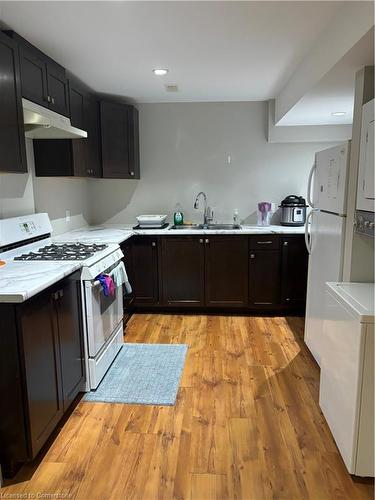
(33, 75)
(133, 135)
(12, 135)
(92, 125)
(264, 278)
(13, 443)
(68, 305)
(115, 145)
(76, 104)
(226, 271)
(183, 271)
(145, 275)
(293, 271)
(42, 368)
(57, 84)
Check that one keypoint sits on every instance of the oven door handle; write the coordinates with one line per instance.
(97, 282)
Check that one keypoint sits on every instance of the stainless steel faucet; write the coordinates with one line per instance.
(207, 213)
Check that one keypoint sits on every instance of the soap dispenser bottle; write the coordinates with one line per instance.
(236, 218)
(178, 218)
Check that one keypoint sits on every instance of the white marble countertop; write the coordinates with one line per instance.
(117, 233)
(21, 280)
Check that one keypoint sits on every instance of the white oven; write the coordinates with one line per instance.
(104, 326)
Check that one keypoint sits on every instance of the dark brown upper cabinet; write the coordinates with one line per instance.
(76, 102)
(133, 135)
(72, 157)
(92, 126)
(120, 140)
(43, 80)
(12, 135)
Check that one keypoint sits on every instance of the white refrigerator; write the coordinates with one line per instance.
(325, 235)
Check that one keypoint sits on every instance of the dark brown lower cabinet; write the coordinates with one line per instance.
(294, 266)
(68, 308)
(145, 269)
(264, 278)
(41, 358)
(226, 271)
(256, 273)
(182, 269)
(42, 366)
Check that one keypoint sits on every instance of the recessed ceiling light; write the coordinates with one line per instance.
(339, 113)
(160, 71)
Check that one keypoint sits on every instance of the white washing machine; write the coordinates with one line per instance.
(347, 373)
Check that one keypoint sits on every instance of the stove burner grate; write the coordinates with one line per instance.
(65, 251)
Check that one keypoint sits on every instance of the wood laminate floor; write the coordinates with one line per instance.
(246, 425)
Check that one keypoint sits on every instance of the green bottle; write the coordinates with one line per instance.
(178, 217)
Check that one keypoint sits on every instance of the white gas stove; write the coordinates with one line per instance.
(28, 239)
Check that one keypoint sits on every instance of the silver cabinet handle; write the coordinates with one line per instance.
(252, 256)
(287, 299)
(53, 100)
(131, 173)
(48, 98)
(285, 243)
(61, 293)
(201, 240)
(264, 242)
(207, 241)
(153, 244)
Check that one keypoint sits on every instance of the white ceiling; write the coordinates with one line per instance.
(215, 51)
(335, 91)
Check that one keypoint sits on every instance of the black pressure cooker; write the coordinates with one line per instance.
(293, 211)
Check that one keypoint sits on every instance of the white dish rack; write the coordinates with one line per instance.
(151, 221)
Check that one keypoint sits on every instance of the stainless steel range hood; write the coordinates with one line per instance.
(42, 123)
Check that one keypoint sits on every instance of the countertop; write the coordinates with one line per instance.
(358, 296)
(118, 233)
(21, 280)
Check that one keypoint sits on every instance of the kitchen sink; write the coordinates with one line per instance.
(186, 226)
(208, 227)
(221, 226)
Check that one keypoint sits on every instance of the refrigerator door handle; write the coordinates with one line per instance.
(309, 183)
(308, 241)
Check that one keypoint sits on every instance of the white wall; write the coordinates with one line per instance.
(22, 194)
(16, 191)
(184, 149)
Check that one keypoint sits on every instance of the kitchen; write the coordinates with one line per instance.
(202, 140)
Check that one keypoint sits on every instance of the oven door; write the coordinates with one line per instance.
(103, 314)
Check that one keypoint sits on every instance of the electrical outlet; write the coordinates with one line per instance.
(67, 215)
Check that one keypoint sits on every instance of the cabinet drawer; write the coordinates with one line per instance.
(264, 242)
